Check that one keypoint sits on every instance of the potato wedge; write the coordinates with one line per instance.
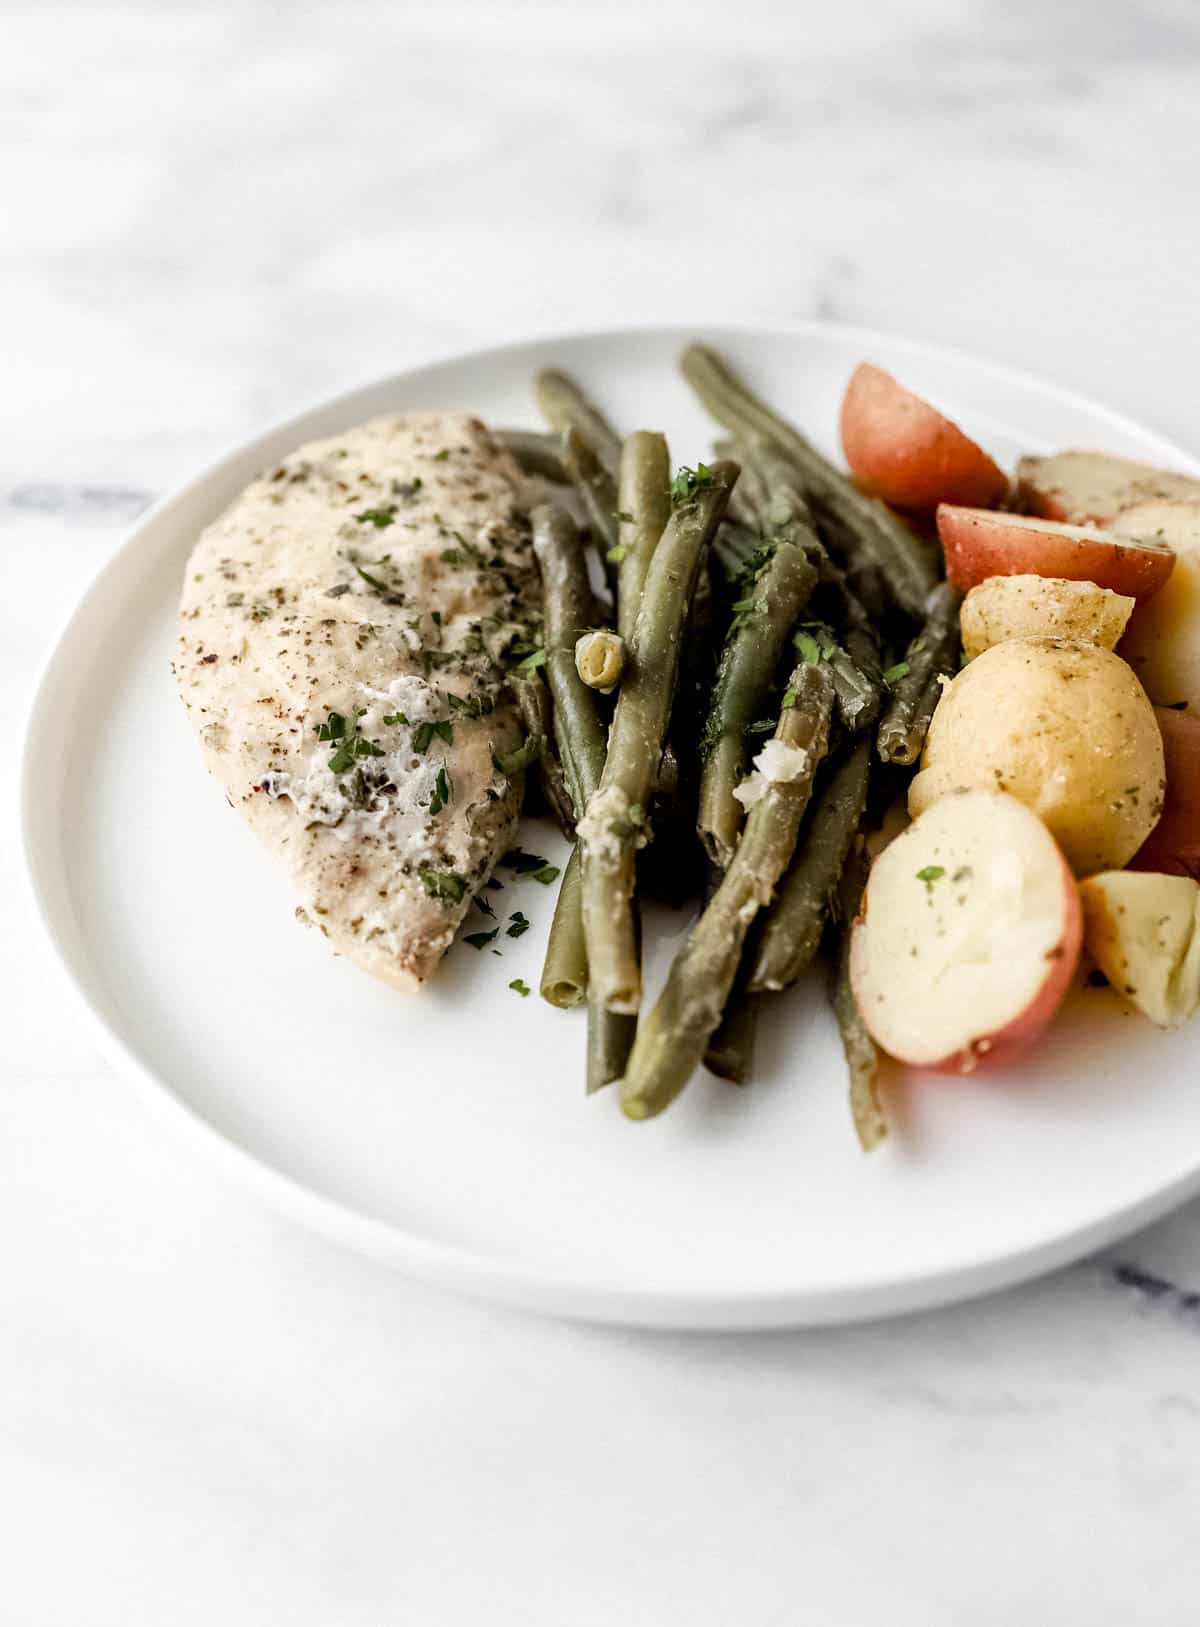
(1173, 846)
(1064, 727)
(1092, 488)
(979, 543)
(1041, 606)
(1143, 931)
(1162, 642)
(907, 452)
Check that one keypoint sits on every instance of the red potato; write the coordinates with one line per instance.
(970, 937)
(1173, 846)
(905, 451)
(978, 544)
(1092, 488)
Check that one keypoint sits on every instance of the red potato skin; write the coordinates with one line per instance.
(995, 1050)
(979, 544)
(905, 451)
(1173, 846)
(1046, 504)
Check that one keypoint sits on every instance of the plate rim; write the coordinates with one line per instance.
(469, 1270)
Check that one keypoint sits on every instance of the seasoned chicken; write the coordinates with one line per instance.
(344, 632)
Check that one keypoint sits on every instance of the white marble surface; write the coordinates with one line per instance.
(215, 211)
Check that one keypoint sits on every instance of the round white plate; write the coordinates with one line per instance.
(448, 1134)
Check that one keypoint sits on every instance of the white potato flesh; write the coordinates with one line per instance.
(1006, 607)
(1143, 931)
(970, 936)
(1162, 643)
(1091, 488)
(1064, 726)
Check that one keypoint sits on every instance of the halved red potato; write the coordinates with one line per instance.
(979, 543)
(970, 935)
(907, 452)
(1173, 846)
(1092, 488)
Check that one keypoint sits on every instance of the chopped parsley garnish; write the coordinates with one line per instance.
(394, 718)
(443, 791)
(622, 515)
(452, 556)
(380, 518)
(520, 985)
(688, 482)
(789, 700)
(518, 924)
(482, 905)
(480, 940)
(349, 745)
(424, 734)
(547, 874)
(520, 861)
(477, 705)
(447, 885)
(893, 674)
(743, 609)
(521, 757)
(931, 873)
(440, 457)
(616, 555)
(529, 664)
(813, 647)
(372, 581)
(764, 725)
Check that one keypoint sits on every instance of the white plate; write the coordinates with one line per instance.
(448, 1134)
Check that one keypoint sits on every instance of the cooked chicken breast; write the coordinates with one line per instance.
(344, 631)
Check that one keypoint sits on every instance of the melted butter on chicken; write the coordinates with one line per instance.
(343, 634)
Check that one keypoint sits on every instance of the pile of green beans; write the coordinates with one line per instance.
(763, 669)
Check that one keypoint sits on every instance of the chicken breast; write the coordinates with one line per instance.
(344, 634)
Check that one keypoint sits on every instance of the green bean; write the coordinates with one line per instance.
(609, 1042)
(862, 1054)
(878, 533)
(644, 507)
(565, 407)
(858, 695)
(533, 703)
(915, 689)
(564, 969)
(536, 453)
(613, 827)
(673, 1038)
(762, 626)
(734, 546)
(598, 490)
(579, 729)
(567, 610)
(794, 924)
(730, 1052)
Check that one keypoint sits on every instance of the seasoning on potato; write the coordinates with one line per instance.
(1141, 930)
(1005, 607)
(1063, 726)
(1162, 643)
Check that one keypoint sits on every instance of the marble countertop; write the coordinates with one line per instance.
(215, 212)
